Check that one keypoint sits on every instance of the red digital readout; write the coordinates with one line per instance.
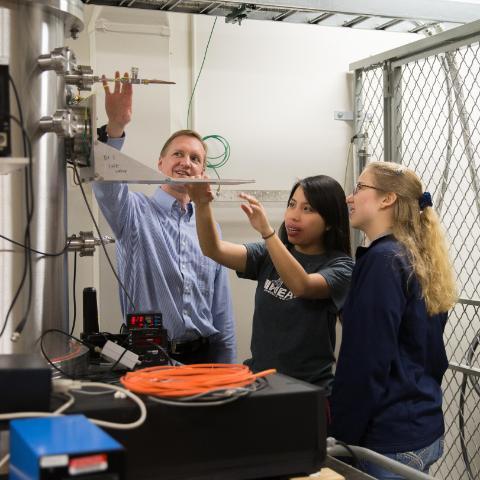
(137, 321)
(144, 321)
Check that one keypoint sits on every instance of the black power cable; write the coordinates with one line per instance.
(74, 293)
(47, 358)
(70, 166)
(355, 460)
(107, 376)
(20, 110)
(97, 228)
(29, 207)
(117, 361)
(34, 250)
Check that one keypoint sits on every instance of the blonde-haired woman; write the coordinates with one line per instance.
(387, 389)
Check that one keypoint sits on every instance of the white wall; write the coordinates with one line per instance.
(269, 88)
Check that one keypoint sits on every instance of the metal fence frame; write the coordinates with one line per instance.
(381, 129)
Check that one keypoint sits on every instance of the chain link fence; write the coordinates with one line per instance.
(422, 109)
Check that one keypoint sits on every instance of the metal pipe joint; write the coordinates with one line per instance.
(86, 242)
(63, 61)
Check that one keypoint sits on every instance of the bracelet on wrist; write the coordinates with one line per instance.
(269, 236)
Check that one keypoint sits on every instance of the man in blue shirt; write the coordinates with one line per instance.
(158, 254)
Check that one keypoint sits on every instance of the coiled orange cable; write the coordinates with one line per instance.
(188, 380)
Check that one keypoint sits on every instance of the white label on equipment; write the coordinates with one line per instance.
(49, 461)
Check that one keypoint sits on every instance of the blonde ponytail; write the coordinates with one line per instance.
(420, 232)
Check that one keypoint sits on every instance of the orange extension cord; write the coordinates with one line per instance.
(189, 380)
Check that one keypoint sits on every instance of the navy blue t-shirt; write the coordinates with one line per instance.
(296, 335)
(387, 391)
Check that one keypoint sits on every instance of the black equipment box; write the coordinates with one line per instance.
(279, 430)
(26, 382)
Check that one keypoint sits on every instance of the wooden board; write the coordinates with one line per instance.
(323, 474)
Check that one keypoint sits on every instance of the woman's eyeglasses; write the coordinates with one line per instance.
(360, 186)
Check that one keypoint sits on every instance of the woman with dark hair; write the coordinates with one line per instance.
(303, 275)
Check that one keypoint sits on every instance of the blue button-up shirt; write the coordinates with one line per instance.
(163, 269)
